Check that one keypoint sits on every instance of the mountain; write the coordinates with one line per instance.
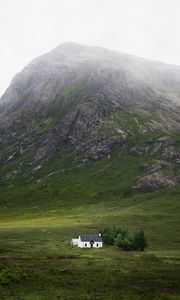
(89, 139)
(90, 101)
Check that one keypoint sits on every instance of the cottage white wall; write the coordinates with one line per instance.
(88, 244)
(75, 242)
(99, 245)
(80, 244)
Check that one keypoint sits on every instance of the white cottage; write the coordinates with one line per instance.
(88, 241)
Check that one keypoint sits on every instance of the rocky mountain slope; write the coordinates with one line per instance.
(90, 102)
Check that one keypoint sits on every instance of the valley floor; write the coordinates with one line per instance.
(38, 263)
(38, 220)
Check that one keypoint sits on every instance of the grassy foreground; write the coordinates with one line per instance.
(39, 218)
(39, 263)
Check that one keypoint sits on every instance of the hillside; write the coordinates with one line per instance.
(90, 138)
(91, 101)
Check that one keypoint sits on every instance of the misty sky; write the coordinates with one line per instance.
(148, 28)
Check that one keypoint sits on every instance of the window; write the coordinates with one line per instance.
(97, 245)
(85, 244)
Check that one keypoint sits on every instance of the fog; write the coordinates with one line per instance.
(147, 28)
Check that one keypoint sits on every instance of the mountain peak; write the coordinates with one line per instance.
(71, 48)
(85, 99)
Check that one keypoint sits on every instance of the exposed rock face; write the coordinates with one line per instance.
(98, 148)
(76, 97)
(155, 166)
(161, 144)
(157, 180)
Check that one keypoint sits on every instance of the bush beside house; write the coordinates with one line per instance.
(124, 239)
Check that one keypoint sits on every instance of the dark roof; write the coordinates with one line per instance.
(92, 237)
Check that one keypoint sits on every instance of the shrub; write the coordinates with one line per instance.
(123, 239)
(139, 240)
(123, 242)
(108, 236)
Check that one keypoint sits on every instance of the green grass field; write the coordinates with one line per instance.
(38, 262)
(39, 218)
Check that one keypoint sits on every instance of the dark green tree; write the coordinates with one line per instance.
(139, 240)
(108, 236)
(142, 240)
(122, 243)
(123, 239)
